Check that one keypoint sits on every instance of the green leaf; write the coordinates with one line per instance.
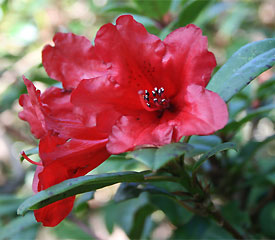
(18, 225)
(177, 214)
(69, 230)
(154, 8)
(189, 13)
(11, 94)
(75, 186)
(235, 125)
(132, 190)
(155, 158)
(130, 215)
(245, 65)
(119, 8)
(194, 229)
(201, 144)
(213, 151)
(9, 204)
(271, 178)
(267, 220)
(81, 201)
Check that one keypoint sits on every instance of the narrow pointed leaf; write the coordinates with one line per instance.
(75, 186)
(244, 66)
(213, 151)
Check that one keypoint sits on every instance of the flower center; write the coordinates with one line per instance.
(154, 100)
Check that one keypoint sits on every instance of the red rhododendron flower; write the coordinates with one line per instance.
(67, 148)
(140, 90)
(130, 89)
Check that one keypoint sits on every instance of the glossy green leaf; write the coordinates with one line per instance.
(156, 158)
(75, 186)
(213, 151)
(245, 65)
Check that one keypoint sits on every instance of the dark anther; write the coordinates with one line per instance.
(155, 99)
(146, 92)
(163, 100)
(146, 97)
(154, 93)
(148, 104)
(162, 89)
(156, 89)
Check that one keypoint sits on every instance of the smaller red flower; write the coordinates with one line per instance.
(67, 148)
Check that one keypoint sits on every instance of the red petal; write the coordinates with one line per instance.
(108, 100)
(75, 153)
(187, 59)
(35, 181)
(32, 112)
(143, 130)
(136, 55)
(204, 113)
(54, 213)
(71, 59)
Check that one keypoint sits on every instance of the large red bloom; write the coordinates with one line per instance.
(67, 147)
(140, 90)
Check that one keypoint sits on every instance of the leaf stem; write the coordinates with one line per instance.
(186, 139)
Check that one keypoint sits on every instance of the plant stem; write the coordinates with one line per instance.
(225, 224)
(186, 139)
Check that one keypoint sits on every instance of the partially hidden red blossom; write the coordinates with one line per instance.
(67, 148)
(138, 89)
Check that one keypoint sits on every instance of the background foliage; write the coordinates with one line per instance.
(242, 182)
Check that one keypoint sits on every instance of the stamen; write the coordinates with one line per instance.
(159, 92)
(155, 102)
(29, 160)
